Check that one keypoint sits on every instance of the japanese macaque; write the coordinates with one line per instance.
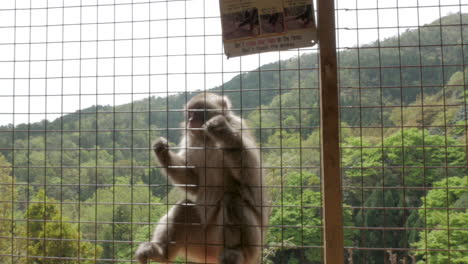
(250, 18)
(305, 16)
(224, 217)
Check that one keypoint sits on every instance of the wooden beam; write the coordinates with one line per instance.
(329, 111)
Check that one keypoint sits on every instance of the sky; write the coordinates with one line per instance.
(171, 46)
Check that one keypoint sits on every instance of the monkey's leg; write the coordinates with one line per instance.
(242, 232)
(242, 244)
(171, 234)
(233, 229)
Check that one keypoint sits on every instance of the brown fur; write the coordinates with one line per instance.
(219, 166)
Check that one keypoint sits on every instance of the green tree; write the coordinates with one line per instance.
(446, 217)
(131, 211)
(401, 162)
(8, 227)
(296, 221)
(415, 149)
(54, 240)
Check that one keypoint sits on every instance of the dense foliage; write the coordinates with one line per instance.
(87, 183)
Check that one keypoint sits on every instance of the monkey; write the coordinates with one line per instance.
(250, 18)
(224, 217)
(305, 16)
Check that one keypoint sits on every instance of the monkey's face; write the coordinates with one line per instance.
(203, 107)
(196, 118)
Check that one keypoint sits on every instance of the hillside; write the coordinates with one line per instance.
(100, 155)
(389, 67)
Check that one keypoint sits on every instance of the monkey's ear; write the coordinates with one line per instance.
(226, 103)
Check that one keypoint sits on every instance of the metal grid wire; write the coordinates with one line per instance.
(403, 130)
(87, 86)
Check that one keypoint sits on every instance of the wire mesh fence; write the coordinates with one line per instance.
(403, 131)
(87, 86)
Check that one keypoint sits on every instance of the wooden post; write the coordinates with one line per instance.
(329, 110)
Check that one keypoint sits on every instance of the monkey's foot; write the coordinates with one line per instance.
(150, 251)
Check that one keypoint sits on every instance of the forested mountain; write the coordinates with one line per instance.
(403, 120)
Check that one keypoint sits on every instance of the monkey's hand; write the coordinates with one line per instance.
(161, 150)
(220, 129)
(174, 165)
(161, 145)
(217, 125)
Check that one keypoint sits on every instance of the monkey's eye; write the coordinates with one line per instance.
(196, 115)
(190, 116)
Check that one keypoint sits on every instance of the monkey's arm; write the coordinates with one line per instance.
(175, 165)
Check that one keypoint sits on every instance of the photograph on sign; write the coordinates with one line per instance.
(241, 24)
(255, 26)
(299, 17)
(272, 23)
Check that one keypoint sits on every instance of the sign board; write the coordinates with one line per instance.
(254, 26)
